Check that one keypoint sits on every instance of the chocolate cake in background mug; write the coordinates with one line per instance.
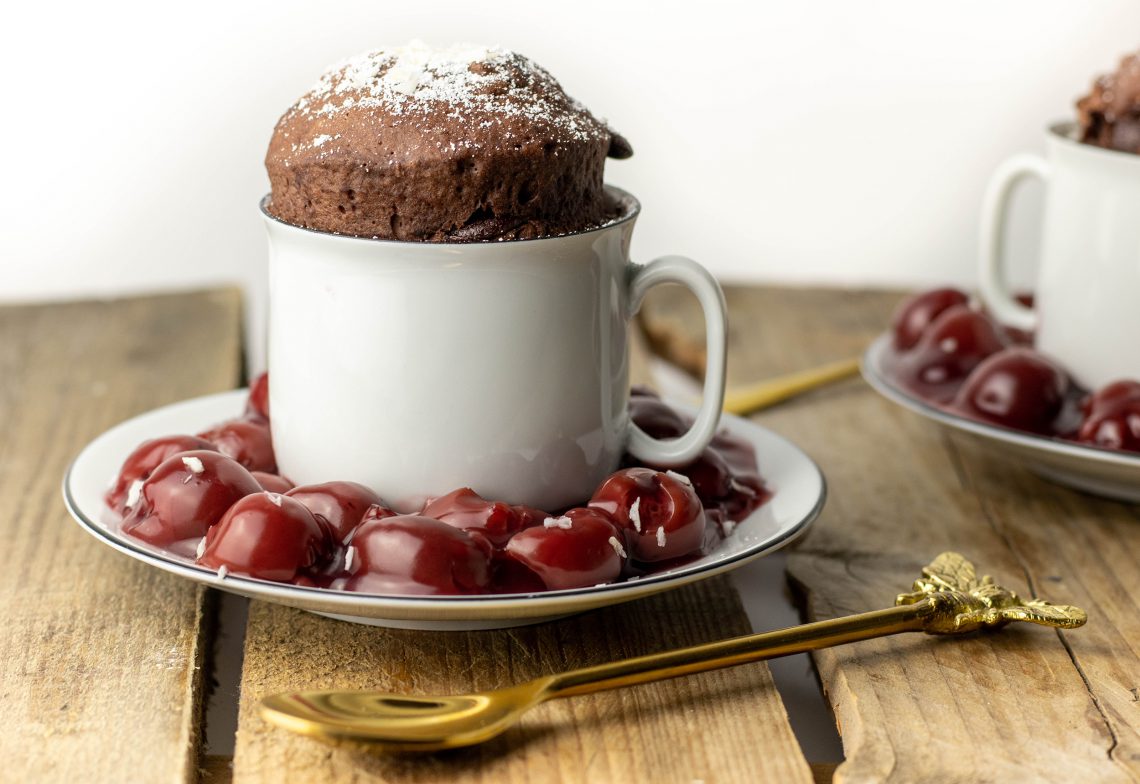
(449, 145)
(1110, 114)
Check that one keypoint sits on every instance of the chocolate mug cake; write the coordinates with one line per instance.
(1109, 116)
(451, 145)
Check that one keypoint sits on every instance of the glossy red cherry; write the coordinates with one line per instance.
(272, 483)
(1112, 417)
(257, 405)
(710, 476)
(412, 554)
(748, 494)
(377, 512)
(660, 512)
(918, 311)
(267, 535)
(246, 441)
(146, 457)
(185, 495)
(466, 509)
(339, 505)
(950, 348)
(1016, 388)
(576, 550)
(656, 418)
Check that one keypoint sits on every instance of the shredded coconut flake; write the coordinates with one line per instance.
(194, 464)
(134, 493)
(727, 527)
(680, 478)
(350, 560)
(661, 536)
(635, 514)
(614, 543)
(223, 570)
(562, 522)
(739, 487)
(274, 498)
(201, 547)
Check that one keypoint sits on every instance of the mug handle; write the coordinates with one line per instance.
(686, 448)
(995, 292)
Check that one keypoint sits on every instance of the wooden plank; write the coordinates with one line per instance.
(723, 726)
(100, 659)
(1022, 705)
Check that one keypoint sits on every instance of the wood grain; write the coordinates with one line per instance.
(727, 726)
(1025, 704)
(100, 656)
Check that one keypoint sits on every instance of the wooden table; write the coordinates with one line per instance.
(105, 664)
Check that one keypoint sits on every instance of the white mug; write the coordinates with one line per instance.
(417, 368)
(1087, 300)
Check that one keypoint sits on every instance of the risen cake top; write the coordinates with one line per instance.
(1109, 115)
(421, 143)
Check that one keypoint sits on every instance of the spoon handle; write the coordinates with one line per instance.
(746, 399)
(740, 650)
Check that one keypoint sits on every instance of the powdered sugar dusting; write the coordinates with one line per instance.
(480, 85)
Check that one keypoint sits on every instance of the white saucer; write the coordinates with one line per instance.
(796, 482)
(1098, 471)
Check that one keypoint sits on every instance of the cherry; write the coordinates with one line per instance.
(655, 417)
(339, 505)
(466, 509)
(918, 311)
(246, 441)
(579, 549)
(185, 495)
(710, 476)
(660, 512)
(377, 512)
(257, 404)
(412, 554)
(272, 482)
(1112, 417)
(952, 346)
(146, 457)
(267, 535)
(1016, 388)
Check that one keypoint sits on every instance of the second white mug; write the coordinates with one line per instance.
(1086, 310)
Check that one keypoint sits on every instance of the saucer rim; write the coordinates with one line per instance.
(871, 367)
(550, 602)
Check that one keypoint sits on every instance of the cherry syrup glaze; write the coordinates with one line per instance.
(964, 361)
(223, 500)
(185, 496)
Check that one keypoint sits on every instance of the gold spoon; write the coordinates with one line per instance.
(948, 599)
(762, 394)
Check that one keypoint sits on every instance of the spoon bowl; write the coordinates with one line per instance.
(397, 722)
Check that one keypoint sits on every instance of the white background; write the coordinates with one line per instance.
(826, 140)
